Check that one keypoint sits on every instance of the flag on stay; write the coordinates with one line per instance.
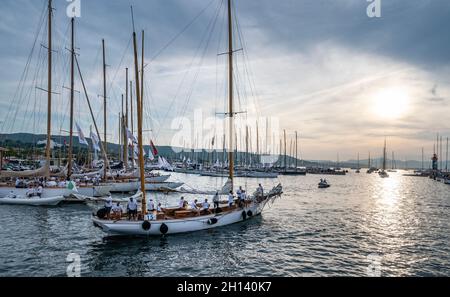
(95, 141)
(153, 147)
(131, 137)
(213, 139)
(72, 186)
(81, 137)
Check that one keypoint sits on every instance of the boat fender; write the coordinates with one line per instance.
(249, 213)
(244, 215)
(164, 229)
(101, 213)
(146, 225)
(212, 221)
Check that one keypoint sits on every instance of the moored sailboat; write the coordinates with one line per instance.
(180, 220)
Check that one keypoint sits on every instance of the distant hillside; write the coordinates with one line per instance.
(29, 141)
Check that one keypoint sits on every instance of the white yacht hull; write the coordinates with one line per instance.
(35, 201)
(178, 226)
(56, 191)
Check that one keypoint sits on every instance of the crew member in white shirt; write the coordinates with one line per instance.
(132, 209)
(230, 199)
(108, 205)
(39, 191)
(181, 203)
(194, 206)
(216, 200)
(205, 207)
(151, 205)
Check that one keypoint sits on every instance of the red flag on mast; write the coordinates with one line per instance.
(154, 150)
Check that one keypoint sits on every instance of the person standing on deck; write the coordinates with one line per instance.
(132, 209)
(230, 199)
(260, 190)
(216, 200)
(108, 205)
(181, 203)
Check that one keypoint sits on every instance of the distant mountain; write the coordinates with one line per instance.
(28, 140)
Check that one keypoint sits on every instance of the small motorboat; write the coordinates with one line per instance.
(383, 174)
(323, 184)
(31, 201)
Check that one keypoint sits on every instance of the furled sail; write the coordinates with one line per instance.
(27, 173)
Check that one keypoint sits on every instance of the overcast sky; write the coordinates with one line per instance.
(321, 67)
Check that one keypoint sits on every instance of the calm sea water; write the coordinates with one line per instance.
(362, 225)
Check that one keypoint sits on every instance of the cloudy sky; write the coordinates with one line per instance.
(319, 67)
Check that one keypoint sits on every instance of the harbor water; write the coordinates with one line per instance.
(361, 226)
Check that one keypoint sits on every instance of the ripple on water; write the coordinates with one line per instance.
(308, 232)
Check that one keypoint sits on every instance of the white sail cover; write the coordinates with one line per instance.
(27, 173)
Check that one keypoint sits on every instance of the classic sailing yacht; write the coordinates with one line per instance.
(393, 166)
(382, 173)
(358, 169)
(180, 220)
(9, 193)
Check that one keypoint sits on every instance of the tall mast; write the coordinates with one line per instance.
(132, 123)
(296, 150)
(246, 146)
(230, 93)
(72, 85)
(120, 138)
(142, 72)
(446, 157)
(369, 161)
(49, 90)
(124, 137)
(125, 144)
(139, 114)
(142, 89)
(384, 155)
(441, 154)
(392, 161)
(285, 152)
(422, 158)
(104, 108)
